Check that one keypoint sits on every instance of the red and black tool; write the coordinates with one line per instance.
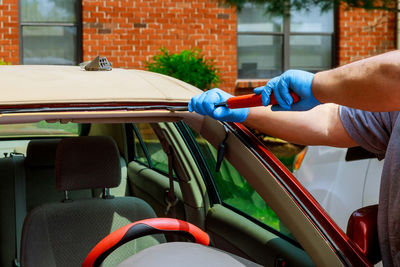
(251, 100)
(244, 101)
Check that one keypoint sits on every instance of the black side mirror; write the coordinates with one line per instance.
(362, 230)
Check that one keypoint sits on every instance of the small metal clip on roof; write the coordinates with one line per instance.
(99, 63)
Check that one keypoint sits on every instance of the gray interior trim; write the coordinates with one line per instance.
(179, 254)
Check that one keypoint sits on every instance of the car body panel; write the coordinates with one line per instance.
(340, 186)
(372, 182)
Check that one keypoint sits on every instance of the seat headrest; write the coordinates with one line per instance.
(86, 163)
(41, 152)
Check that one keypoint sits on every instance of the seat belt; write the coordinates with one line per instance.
(172, 200)
(20, 202)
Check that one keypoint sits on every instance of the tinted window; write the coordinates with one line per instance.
(148, 146)
(139, 153)
(235, 191)
(268, 45)
(48, 10)
(49, 31)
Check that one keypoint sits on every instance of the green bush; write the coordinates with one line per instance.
(189, 66)
(4, 63)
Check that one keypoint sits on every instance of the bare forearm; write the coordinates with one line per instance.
(319, 126)
(372, 84)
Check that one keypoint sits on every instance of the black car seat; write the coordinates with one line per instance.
(39, 173)
(39, 188)
(62, 234)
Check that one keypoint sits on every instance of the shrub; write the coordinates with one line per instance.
(188, 65)
(4, 63)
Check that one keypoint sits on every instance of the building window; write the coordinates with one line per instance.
(50, 32)
(269, 45)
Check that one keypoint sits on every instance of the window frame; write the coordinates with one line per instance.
(212, 188)
(143, 145)
(201, 163)
(285, 34)
(135, 133)
(77, 24)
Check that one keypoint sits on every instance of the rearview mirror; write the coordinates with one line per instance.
(362, 230)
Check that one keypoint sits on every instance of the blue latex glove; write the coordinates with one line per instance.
(204, 104)
(299, 82)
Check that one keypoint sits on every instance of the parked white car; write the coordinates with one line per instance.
(340, 179)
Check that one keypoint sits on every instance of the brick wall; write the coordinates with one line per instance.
(130, 32)
(9, 40)
(364, 33)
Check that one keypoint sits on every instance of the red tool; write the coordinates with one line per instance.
(251, 100)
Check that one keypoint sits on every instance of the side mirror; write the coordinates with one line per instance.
(362, 230)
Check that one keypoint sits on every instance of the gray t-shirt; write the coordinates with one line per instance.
(379, 132)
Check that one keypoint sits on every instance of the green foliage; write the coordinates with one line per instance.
(67, 128)
(4, 63)
(188, 65)
(280, 7)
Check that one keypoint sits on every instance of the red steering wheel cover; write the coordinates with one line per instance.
(161, 224)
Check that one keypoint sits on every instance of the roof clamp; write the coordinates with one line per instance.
(97, 64)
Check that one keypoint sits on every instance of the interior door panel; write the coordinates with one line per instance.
(236, 234)
(152, 187)
(228, 229)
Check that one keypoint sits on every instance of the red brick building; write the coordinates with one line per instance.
(130, 32)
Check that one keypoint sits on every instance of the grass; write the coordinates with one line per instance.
(41, 128)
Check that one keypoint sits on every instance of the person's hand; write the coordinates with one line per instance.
(204, 104)
(299, 82)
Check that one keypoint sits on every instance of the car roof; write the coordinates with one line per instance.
(40, 84)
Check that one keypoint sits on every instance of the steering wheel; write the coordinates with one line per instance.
(142, 228)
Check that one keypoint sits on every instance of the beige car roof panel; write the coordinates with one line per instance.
(38, 84)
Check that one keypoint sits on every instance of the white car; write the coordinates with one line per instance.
(340, 179)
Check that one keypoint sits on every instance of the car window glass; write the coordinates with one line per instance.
(235, 191)
(149, 143)
(139, 154)
(40, 129)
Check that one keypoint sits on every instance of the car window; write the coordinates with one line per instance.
(235, 191)
(40, 129)
(148, 149)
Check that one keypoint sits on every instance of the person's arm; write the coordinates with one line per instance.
(318, 126)
(371, 84)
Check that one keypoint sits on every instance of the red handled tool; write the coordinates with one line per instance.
(251, 100)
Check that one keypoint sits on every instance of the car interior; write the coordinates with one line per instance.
(63, 192)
